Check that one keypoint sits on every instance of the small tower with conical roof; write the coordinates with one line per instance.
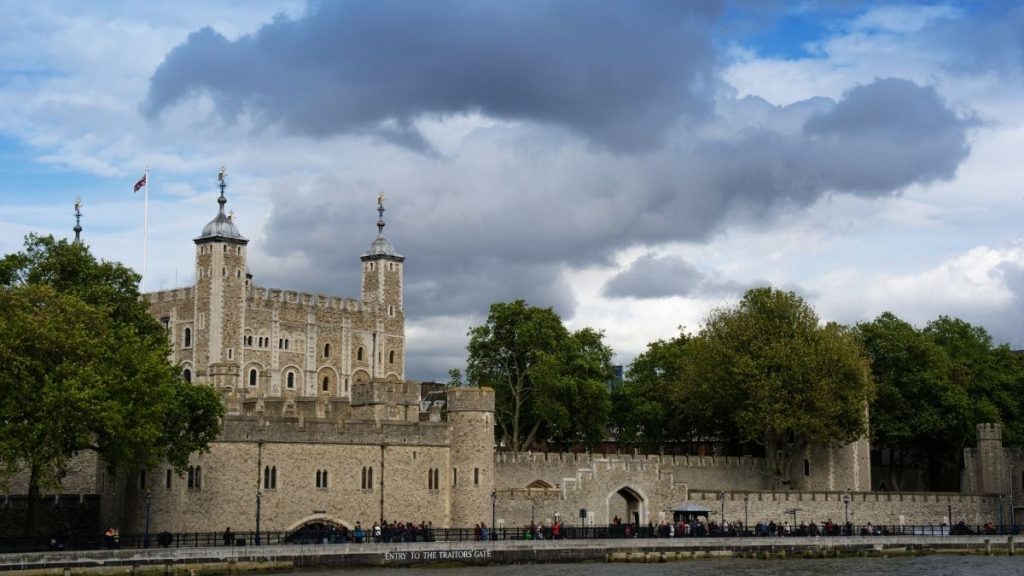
(382, 293)
(220, 286)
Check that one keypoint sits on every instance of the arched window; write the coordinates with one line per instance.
(280, 343)
(327, 350)
(359, 352)
(253, 375)
(270, 477)
(391, 357)
(291, 379)
(186, 375)
(195, 477)
(326, 384)
(188, 337)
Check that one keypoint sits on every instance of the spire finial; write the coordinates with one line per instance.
(380, 214)
(222, 178)
(78, 218)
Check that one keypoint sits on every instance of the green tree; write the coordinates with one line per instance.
(86, 369)
(549, 383)
(649, 410)
(768, 368)
(919, 417)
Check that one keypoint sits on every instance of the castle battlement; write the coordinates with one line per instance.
(264, 295)
(629, 461)
(174, 294)
(990, 431)
(295, 430)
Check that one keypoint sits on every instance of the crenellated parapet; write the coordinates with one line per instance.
(295, 430)
(172, 295)
(271, 296)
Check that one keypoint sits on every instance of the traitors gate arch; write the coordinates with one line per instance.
(629, 505)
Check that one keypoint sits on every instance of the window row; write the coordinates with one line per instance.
(321, 478)
(433, 479)
(290, 380)
(208, 249)
(367, 478)
(455, 476)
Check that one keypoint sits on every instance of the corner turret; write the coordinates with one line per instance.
(221, 279)
(382, 286)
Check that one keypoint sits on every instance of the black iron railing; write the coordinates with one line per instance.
(417, 534)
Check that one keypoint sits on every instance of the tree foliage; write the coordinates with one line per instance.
(934, 386)
(86, 369)
(767, 368)
(650, 410)
(549, 383)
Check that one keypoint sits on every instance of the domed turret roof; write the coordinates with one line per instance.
(221, 228)
(380, 247)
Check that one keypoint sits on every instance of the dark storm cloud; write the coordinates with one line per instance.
(510, 211)
(662, 276)
(621, 75)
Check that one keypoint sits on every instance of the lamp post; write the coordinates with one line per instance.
(1000, 525)
(259, 496)
(1011, 515)
(746, 517)
(494, 515)
(721, 496)
(846, 509)
(149, 500)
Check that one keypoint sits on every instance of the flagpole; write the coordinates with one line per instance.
(145, 229)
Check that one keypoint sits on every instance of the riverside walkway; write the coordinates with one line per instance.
(222, 560)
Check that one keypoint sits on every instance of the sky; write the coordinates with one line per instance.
(633, 165)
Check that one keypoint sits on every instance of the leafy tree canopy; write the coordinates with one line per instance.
(767, 368)
(549, 383)
(86, 369)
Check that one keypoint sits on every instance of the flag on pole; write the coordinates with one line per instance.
(141, 183)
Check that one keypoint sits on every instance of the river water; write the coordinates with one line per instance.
(935, 565)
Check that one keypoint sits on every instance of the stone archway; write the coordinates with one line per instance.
(629, 505)
(317, 529)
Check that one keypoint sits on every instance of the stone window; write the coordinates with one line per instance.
(291, 380)
(346, 384)
(367, 478)
(433, 479)
(166, 322)
(231, 353)
(455, 476)
(280, 343)
(238, 273)
(359, 353)
(321, 478)
(476, 476)
(142, 479)
(225, 250)
(326, 384)
(270, 477)
(186, 375)
(167, 479)
(238, 250)
(187, 338)
(807, 467)
(195, 477)
(327, 350)
(391, 357)
(253, 375)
